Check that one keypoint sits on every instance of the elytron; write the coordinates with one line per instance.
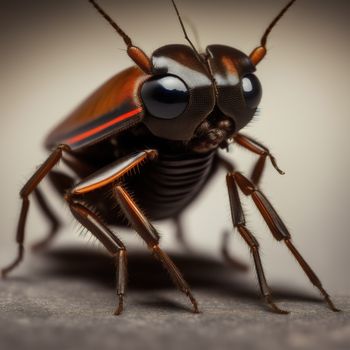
(168, 116)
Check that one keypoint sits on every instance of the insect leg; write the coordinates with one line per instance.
(149, 234)
(231, 261)
(262, 151)
(52, 218)
(112, 174)
(106, 176)
(278, 228)
(109, 240)
(79, 167)
(240, 223)
(180, 234)
(27, 189)
(61, 183)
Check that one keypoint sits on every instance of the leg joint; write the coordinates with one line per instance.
(63, 147)
(246, 186)
(248, 237)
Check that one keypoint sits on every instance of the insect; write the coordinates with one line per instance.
(168, 116)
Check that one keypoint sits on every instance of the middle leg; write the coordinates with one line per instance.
(111, 176)
(150, 235)
(109, 240)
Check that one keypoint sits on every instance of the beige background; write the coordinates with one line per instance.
(53, 53)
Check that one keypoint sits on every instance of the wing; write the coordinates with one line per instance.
(113, 107)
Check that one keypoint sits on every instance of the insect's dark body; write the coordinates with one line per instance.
(172, 182)
(187, 145)
(145, 144)
(165, 186)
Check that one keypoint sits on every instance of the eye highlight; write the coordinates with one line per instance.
(165, 97)
(252, 90)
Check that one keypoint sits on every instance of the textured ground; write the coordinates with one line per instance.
(67, 304)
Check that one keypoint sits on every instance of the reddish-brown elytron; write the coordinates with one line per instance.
(170, 114)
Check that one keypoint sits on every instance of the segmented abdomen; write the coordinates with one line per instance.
(165, 186)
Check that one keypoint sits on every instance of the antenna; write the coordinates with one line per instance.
(134, 52)
(186, 36)
(259, 53)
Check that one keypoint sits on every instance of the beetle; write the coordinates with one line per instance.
(150, 138)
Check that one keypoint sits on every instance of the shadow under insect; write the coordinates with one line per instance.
(146, 274)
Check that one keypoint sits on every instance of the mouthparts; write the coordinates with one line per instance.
(212, 133)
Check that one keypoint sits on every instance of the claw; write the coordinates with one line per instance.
(274, 307)
(274, 163)
(329, 301)
(194, 303)
(5, 271)
(3, 274)
(120, 308)
(44, 243)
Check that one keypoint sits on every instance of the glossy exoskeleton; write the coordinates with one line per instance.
(168, 116)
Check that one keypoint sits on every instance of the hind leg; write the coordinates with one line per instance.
(51, 217)
(27, 189)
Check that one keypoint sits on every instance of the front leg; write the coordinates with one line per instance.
(263, 152)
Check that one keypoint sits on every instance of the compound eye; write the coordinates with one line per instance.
(252, 90)
(165, 97)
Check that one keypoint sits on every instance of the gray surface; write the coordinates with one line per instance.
(65, 298)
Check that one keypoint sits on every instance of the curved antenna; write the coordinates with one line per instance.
(195, 33)
(259, 53)
(134, 52)
(199, 57)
